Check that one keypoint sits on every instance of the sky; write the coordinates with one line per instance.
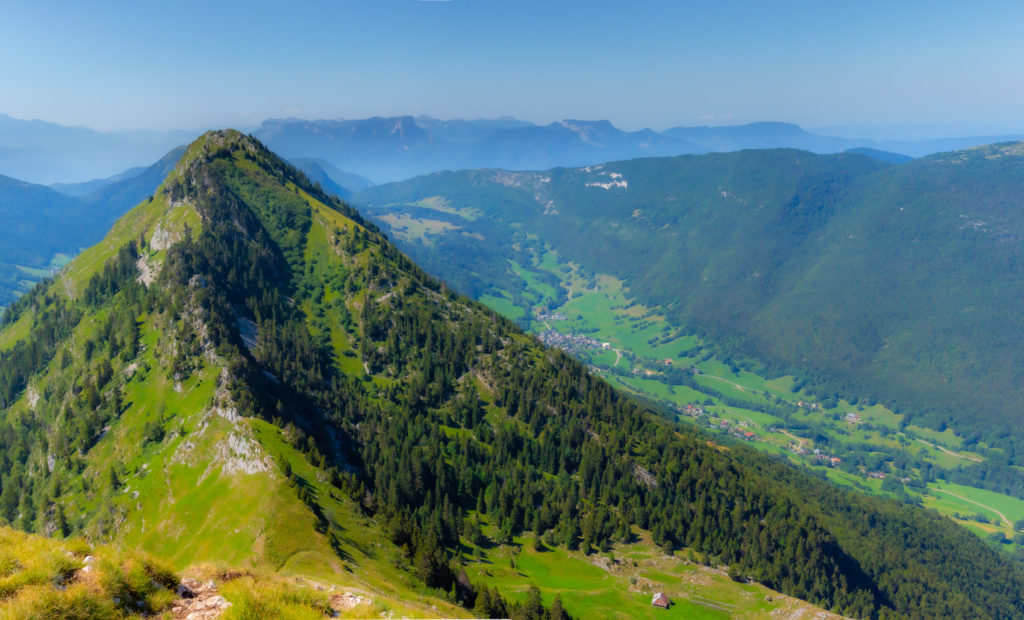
(906, 66)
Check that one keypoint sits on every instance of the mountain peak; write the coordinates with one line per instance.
(218, 142)
(231, 144)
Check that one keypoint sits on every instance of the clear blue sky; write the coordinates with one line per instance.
(188, 64)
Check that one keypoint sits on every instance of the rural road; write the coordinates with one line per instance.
(971, 501)
(949, 452)
(736, 385)
(800, 440)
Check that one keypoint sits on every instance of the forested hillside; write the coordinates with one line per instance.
(896, 283)
(245, 370)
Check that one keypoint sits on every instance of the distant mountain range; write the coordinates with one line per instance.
(787, 135)
(42, 152)
(334, 181)
(78, 160)
(394, 148)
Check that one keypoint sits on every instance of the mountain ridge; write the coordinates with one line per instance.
(44, 152)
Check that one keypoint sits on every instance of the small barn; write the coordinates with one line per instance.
(661, 600)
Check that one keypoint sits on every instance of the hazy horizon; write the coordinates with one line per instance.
(939, 68)
(904, 132)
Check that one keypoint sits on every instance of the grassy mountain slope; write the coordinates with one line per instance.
(72, 578)
(245, 372)
(892, 282)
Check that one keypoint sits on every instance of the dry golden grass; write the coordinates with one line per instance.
(47, 578)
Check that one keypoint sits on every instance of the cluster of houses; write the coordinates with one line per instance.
(694, 411)
(571, 343)
(738, 431)
(816, 455)
(798, 448)
(826, 459)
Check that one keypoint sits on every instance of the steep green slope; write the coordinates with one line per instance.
(246, 372)
(896, 283)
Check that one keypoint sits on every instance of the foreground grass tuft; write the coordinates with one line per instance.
(46, 578)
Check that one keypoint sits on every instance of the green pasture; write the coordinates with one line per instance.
(503, 306)
(440, 204)
(621, 584)
(411, 228)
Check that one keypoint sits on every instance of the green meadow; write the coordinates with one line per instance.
(621, 583)
(418, 229)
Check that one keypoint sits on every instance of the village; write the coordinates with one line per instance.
(571, 343)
